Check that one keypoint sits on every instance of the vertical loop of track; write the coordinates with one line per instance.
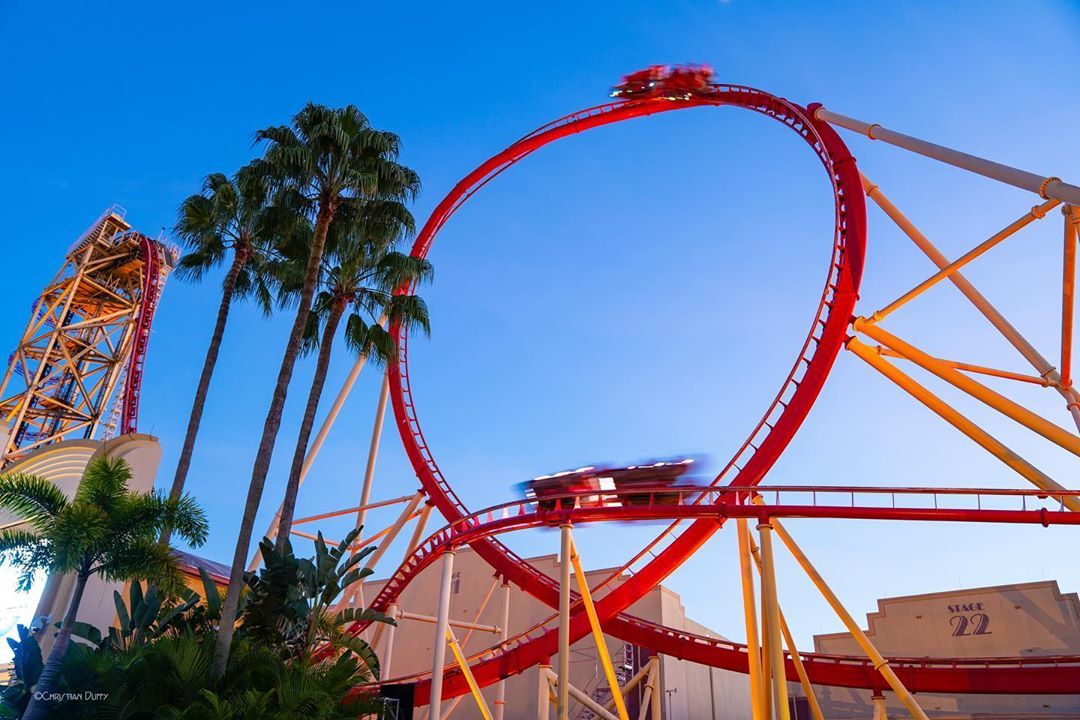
(769, 437)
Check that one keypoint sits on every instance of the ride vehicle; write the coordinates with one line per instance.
(653, 483)
(686, 80)
(641, 83)
(675, 82)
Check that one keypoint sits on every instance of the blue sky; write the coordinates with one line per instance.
(637, 291)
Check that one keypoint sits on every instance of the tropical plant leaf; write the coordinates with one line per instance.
(362, 650)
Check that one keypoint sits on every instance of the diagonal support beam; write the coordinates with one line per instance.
(1000, 323)
(464, 665)
(988, 442)
(1068, 290)
(1044, 187)
(997, 401)
(1036, 213)
(598, 633)
(977, 369)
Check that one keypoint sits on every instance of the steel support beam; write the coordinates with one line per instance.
(1043, 186)
(442, 628)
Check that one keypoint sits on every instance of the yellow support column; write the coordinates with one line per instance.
(880, 712)
(766, 664)
(1000, 323)
(655, 707)
(880, 663)
(467, 672)
(598, 636)
(772, 625)
(753, 650)
(800, 670)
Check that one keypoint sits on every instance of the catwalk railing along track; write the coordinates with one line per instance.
(980, 675)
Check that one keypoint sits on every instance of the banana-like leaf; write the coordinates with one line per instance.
(121, 610)
(210, 593)
(359, 647)
(87, 632)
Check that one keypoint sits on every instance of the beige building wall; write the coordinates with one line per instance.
(692, 692)
(1027, 620)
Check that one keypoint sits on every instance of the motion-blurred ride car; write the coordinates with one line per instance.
(651, 483)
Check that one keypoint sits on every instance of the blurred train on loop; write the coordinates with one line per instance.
(674, 82)
(607, 486)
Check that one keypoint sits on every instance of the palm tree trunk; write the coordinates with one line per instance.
(40, 704)
(266, 444)
(288, 505)
(240, 258)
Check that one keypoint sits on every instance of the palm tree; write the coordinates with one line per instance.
(105, 530)
(360, 273)
(328, 159)
(230, 215)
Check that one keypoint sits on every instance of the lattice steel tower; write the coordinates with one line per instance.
(87, 337)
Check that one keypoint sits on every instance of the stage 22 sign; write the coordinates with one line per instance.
(969, 619)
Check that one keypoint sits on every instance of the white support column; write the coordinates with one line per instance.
(373, 450)
(388, 649)
(439, 655)
(1045, 187)
(418, 531)
(562, 704)
(355, 593)
(500, 688)
(543, 694)
(320, 438)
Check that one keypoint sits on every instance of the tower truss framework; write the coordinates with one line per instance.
(88, 335)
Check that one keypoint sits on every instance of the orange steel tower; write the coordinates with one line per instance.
(89, 328)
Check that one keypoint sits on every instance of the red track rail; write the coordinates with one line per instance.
(768, 439)
(1049, 675)
(151, 290)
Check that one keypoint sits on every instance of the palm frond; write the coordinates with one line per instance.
(31, 498)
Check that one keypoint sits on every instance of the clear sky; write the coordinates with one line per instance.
(637, 291)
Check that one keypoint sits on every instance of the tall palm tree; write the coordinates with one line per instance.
(360, 273)
(231, 216)
(327, 159)
(105, 530)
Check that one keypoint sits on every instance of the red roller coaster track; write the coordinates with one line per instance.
(982, 675)
(744, 471)
(152, 278)
(768, 439)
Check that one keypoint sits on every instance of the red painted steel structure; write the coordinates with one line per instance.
(773, 432)
(153, 258)
(1044, 675)
(746, 468)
